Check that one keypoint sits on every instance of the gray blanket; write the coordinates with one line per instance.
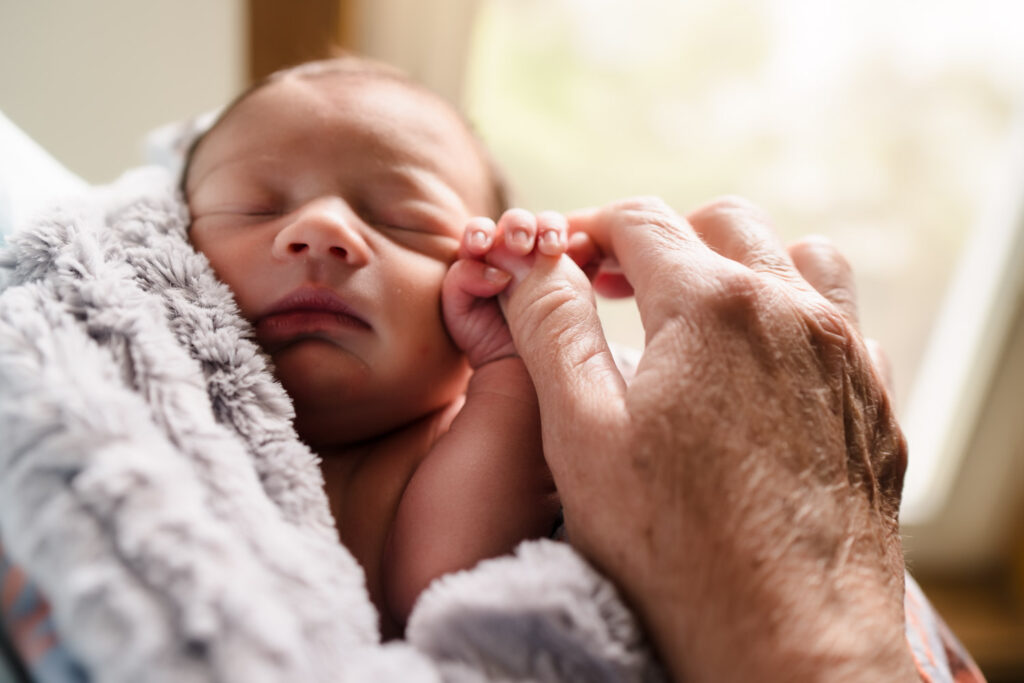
(153, 489)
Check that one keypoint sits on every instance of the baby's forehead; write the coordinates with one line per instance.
(350, 91)
(364, 119)
(397, 112)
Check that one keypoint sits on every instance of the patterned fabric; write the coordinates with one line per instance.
(939, 655)
(25, 618)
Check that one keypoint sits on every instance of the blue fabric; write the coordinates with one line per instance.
(26, 626)
(10, 668)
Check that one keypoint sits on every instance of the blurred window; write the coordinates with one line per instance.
(880, 124)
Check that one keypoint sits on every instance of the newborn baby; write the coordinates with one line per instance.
(332, 199)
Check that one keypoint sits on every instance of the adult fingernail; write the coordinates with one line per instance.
(496, 275)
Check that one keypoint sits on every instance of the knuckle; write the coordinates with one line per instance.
(820, 250)
(828, 323)
(732, 295)
(730, 207)
(814, 243)
(643, 203)
(737, 284)
(843, 299)
(647, 210)
(650, 213)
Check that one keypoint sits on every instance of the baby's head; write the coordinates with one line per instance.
(331, 198)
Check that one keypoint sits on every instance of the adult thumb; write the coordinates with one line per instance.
(553, 319)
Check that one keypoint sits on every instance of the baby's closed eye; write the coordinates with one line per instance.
(429, 243)
(421, 230)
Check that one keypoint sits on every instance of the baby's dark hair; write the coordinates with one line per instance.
(356, 67)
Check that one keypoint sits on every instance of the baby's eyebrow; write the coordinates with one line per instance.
(193, 181)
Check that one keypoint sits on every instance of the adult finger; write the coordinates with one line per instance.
(825, 269)
(741, 232)
(657, 252)
(612, 285)
(584, 253)
(469, 280)
(552, 316)
(605, 274)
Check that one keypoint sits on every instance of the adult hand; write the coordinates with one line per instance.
(743, 489)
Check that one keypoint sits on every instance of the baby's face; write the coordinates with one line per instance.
(332, 206)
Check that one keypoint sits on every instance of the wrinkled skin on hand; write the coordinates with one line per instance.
(743, 490)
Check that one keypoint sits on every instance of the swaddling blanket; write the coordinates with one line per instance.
(153, 489)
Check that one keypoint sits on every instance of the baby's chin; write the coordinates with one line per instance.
(339, 401)
(350, 427)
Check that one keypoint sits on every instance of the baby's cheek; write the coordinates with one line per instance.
(233, 266)
(422, 280)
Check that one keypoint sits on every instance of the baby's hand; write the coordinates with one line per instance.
(488, 256)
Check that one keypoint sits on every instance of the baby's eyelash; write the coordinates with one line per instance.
(394, 226)
(244, 210)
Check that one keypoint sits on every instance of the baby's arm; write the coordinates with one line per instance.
(484, 486)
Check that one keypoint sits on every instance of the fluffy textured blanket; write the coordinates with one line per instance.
(153, 489)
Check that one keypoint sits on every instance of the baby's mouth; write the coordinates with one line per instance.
(307, 312)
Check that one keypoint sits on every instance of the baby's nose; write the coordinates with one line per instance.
(323, 228)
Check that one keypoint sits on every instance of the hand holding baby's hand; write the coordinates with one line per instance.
(489, 256)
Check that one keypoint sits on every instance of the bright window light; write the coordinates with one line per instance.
(882, 125)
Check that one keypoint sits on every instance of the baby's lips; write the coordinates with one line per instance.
(314, 298)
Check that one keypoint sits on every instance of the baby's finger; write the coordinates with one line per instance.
(552, 233)
(520, 230)
(478, 237)
(825, 269)
(469, 279)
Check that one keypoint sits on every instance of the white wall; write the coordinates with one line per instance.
(88, 78)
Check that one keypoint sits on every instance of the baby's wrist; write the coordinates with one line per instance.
(488, 351)
(480, 363)
(505, 375)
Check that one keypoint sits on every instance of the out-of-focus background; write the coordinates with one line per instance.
(894, 127)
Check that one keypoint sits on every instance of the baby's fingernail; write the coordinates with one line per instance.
(496, 275)
(479, 238)
(521, 237)
(550, 241)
